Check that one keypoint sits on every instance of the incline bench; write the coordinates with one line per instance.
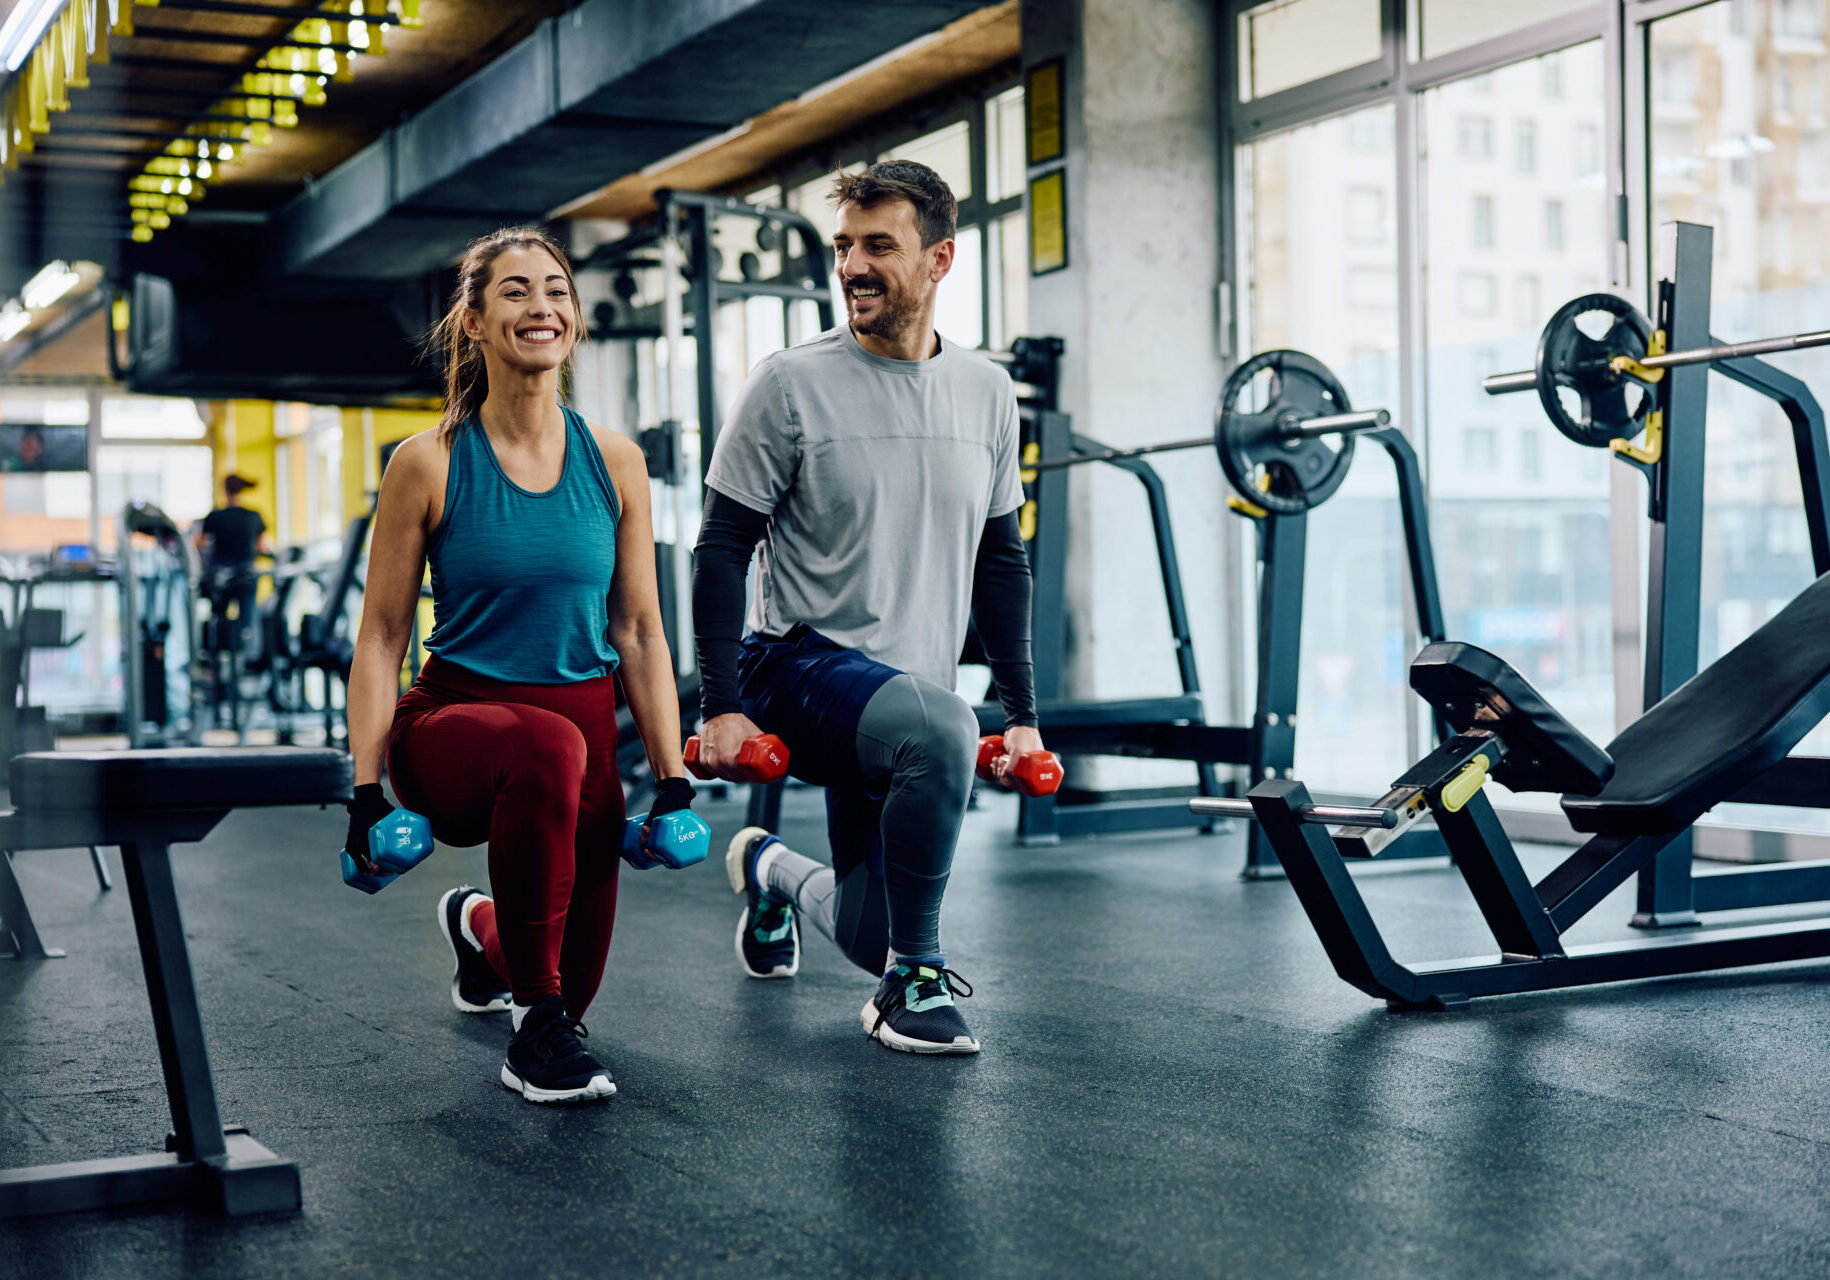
(146, 801)
(1724, 735)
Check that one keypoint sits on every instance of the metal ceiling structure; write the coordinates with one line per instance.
(370, 141)
(163, 72)
(489, 111)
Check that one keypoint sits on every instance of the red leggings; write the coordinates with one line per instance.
(531, 768)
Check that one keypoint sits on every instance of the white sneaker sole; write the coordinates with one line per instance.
(733, 856)
(597, 1087)
(498, 1005)
(887, 1035)
(733, 871)
(785, 971)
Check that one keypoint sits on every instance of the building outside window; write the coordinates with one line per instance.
(1474, 138)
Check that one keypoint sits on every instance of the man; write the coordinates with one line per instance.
(232, 535)
(877, 466)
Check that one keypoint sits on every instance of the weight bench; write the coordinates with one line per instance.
(1722, 734)
(145, 801)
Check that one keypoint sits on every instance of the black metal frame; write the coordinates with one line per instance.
(1527, 921)
(691, 218)
(1174, 728)
(205, 1164)
(1670, 893)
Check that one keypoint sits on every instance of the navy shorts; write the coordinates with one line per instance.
(811, 692)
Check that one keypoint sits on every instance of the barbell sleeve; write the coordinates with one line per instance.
(1331, 423)
(1329, 815)
(1737, 350)
(1500, 384)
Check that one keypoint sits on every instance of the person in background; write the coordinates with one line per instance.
(231, 537)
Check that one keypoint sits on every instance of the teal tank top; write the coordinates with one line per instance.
(520, 580)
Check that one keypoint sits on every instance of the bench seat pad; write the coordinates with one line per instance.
(163, 778)
(1720, 729)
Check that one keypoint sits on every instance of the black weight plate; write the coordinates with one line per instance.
(1613, 405)
(768, 238)
(749, 266)
(1252, 444)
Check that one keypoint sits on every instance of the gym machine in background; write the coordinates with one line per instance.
(1720, 736)
(157, 571)
(1651, 383)
(28, 626)
(668, 281)
(1282, 458)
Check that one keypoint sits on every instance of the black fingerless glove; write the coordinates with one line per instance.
(671, 794)
(367, 806)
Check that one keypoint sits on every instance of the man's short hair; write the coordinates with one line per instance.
(936, 211)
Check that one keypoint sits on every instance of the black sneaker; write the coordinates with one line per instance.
(768, 930)
(913, 1011)
(546, 1062)
(475, 987)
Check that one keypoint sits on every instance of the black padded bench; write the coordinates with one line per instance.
(1724, 735)
(1720, 730)
(145, 802)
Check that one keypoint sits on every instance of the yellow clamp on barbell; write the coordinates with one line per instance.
(1628, 365)
(1650, 452)
(1251, 509)
(1460, 789)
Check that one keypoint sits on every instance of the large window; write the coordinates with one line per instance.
(1538, 145)
(1521, 547)
(984, 302)
(1755, 167)
(1336, 297)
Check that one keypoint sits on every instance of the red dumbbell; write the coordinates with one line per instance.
(1036, 773)
(763, 758)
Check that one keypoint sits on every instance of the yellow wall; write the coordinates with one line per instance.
(364, 432)
(243, 440)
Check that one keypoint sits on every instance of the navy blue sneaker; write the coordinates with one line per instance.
(546, 1062)
(475, 987)
(913, 1011)
(768, 930)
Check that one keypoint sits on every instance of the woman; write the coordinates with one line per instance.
(543, 582)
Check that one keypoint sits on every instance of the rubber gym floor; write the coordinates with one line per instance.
(1173, 1084)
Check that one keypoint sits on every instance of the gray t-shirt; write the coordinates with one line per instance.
(878, 476)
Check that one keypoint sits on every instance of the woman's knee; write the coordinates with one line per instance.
(544, 752)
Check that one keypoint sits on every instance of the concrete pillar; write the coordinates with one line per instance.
(1137, 306)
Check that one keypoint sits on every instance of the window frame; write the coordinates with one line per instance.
(896, 129)
(1624, 28)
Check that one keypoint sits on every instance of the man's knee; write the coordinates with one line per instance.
(946, 736)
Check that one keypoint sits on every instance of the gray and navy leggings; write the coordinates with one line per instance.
(895, 753)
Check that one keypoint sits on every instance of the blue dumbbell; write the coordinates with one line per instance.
(679, 839)
(397, 844)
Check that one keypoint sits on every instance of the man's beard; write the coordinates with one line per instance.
(892, 317)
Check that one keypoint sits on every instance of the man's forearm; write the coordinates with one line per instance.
(1001, 593)
(727, 537)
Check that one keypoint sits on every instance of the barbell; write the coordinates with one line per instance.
(1329, 815)
(1286, 457)
(1612, 375)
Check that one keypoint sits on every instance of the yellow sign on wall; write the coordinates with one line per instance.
(1048, 250)
(1042, 106)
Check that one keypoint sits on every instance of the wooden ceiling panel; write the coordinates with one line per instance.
(972, 46)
